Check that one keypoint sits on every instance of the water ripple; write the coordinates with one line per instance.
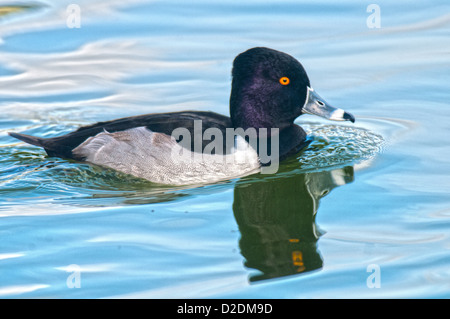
(336, 146)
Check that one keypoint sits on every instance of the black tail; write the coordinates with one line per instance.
(38, 141)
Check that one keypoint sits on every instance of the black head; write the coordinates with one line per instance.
(268, 90)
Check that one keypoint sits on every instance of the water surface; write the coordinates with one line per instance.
(371, 193)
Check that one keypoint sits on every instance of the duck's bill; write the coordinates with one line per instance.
(317, 106)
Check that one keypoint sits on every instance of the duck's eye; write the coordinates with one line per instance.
(284, 80)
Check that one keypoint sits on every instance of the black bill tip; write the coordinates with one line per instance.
(349, 117)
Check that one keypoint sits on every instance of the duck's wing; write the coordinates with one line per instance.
(158, 157)
(62, 146)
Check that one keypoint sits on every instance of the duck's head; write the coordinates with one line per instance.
(270, 89)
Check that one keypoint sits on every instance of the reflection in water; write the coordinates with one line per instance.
(12, 9)
(275, 214)
(276, 220)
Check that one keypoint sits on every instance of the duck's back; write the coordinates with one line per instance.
(166, 123)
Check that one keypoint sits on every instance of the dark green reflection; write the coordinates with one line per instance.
(6, 10)
(276, 219)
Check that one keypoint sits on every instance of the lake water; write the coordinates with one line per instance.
(364, 212)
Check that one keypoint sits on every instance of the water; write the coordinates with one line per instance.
(370, 194)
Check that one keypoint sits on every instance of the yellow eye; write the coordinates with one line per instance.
(284, 80)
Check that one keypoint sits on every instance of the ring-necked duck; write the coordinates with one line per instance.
(270, 89)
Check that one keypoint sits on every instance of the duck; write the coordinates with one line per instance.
(269, 91)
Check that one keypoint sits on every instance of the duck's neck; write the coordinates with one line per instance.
(248, 110)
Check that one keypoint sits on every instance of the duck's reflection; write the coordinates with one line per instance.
(275, 214)
(276, 219)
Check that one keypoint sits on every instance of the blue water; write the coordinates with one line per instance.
(371, 193)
